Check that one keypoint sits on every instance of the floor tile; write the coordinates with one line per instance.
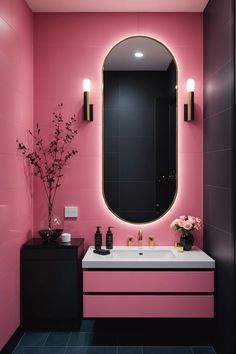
(92, 339)
(39, 350)
(203, 350)
(33, 339)
(167, 350)
(58, 339)
(87, 325)
(130, 350)
(80, 339)
(91, 350)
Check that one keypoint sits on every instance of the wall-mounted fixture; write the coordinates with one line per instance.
(189, 107)
(88, 108)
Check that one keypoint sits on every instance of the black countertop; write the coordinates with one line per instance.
(38, 242)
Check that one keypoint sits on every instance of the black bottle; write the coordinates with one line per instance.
(109, 239)
(98, 239)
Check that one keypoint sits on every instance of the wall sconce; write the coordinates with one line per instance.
(189, 107)
(88, 108)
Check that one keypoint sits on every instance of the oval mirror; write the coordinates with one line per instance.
(139, 129)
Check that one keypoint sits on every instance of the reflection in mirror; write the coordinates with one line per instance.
(139, 126)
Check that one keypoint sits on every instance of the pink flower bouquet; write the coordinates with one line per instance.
(185, 224)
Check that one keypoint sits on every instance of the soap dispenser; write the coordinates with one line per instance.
(98, 239)
(109, 239)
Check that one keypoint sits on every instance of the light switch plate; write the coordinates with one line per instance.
(71, 212)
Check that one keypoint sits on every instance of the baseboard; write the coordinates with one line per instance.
(13, 341)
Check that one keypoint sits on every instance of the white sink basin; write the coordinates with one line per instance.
(143, 254)
(147, 257)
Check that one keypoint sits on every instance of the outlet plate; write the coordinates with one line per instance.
(71, 212)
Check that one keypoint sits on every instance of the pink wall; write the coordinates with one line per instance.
(16, 108)
(69, 47)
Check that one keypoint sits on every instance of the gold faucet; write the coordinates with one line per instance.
(130, 240)
(151, 241)
(140, 238)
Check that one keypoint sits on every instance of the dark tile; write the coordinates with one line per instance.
(137, 158)
(111, 122)
(218, 168)
(87, 325)
(138, 216)
(130, 350)
(218, 12)
(111, 89)
(138, 196)
(217, 52)
(218, 207)
(91, 350)
(111, 144)
(92, 339)
(58, 339)
(34, 338)
(203, 350)
(111, 166)
(139, 124)
(80, 339)
(112, 192)
(218, 90)
(167, 350)
(39, 350)
(218, 131)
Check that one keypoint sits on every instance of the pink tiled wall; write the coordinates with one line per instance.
(70, 47)
(16, 116)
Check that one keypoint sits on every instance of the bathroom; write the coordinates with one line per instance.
(47, 48)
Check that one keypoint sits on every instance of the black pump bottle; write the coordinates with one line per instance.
(109, 239)
(98, 239)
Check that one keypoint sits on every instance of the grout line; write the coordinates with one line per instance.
(69, 337)
(18, 344)
(218, 113)
(46, 339)
(218, 229)
(218, 150)
(192, 351)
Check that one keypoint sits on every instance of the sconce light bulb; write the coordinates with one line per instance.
(190, 85)
(86, 85)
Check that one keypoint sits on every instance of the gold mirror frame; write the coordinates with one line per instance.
(177, 100)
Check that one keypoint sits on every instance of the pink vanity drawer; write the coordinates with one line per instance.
(178, 306)
(148, 281)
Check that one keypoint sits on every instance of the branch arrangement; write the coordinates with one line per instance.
(49, 160)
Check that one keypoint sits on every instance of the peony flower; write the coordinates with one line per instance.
(187, 225)
(192, 219)
(174, 223)
(183, 217)
(180, 223)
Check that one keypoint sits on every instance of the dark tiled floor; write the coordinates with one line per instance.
(90, 341)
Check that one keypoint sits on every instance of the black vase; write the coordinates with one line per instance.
(187, 241)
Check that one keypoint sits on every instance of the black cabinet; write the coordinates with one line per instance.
(51, 283)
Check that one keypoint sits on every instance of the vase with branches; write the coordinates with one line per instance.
(49, 160)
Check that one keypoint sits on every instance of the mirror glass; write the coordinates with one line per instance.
(139, 129)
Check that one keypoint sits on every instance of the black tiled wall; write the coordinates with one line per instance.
(218, 162)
